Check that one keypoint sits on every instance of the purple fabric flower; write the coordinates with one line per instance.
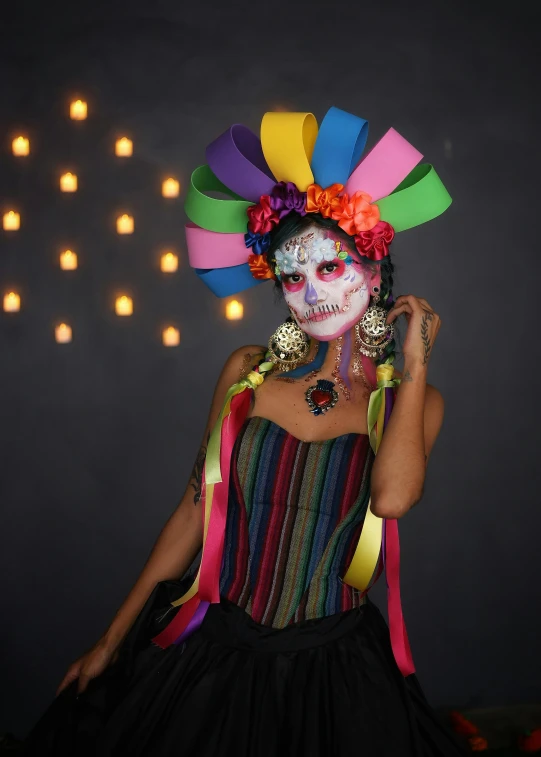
(285, 197)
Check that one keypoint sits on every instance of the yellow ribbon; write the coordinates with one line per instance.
(364, 561)
(288, 141)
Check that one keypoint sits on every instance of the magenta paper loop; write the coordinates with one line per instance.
(214, 249)
(385, 166)
(236, 158)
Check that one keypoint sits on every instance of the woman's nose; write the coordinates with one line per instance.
(310, 296)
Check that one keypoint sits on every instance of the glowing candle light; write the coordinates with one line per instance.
(170, 188)
(78, 110)
(68, 260)
(12, 302)
(169, 262)
(171, 337)
(20, 146)
(124, 305)
(234, 310)
(62, 333)
(68, 182)
(124, 224)
(124, 147)
(11, 221)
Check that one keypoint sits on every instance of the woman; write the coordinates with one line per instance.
(273, 646)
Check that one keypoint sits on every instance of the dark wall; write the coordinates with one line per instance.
(97, 438)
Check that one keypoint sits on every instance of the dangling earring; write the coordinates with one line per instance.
(372, 333)
(289, 345)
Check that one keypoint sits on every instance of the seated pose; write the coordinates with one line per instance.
(250, 631)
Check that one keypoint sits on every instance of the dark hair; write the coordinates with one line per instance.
(294, 224)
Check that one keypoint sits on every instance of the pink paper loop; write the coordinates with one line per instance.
(214, 249)
(386, 165)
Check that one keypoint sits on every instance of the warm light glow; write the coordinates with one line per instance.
(234, 310)
(68, 182)
(12, 302)
(124, 147)
(170, 188)
(171, 336)
(62, 333)
(68, 260)
(11, 221)
(124, 224)
(124, 305)
(20, 146)
(169, 262)
(78, 110)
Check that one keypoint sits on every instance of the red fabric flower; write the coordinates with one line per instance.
(261, 216)
(374, 244)
(259, 267)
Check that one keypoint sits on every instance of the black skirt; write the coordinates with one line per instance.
(328, 687)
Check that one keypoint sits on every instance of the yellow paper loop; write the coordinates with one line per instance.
(288, 141)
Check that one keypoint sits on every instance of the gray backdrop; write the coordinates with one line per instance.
(97, 438)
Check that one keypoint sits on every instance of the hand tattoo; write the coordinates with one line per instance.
(424, 335)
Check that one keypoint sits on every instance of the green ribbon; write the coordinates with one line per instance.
(210, 213)
(374, 407)
(418, 199)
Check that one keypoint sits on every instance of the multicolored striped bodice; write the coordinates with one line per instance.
(295, 514)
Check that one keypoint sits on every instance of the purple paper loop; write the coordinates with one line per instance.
(236, 158)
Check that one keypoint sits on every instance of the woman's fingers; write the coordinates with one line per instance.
(71, 675)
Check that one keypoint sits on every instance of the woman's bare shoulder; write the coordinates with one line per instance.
(241, 361)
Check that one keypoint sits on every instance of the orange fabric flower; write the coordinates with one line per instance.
(356, 213)
(259, 267)
(323, 201)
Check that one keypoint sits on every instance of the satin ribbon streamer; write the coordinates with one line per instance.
(367, 553)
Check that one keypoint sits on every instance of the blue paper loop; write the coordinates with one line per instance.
(224, 282)
(339, 146)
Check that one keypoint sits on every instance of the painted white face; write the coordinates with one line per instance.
(326, 288)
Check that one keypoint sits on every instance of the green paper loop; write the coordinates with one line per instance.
(418, 199)
(228, 216)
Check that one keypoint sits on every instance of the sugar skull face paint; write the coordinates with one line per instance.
(326, 288)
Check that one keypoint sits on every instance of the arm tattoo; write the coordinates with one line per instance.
(424, 335)
(197, 473)
(407, 376)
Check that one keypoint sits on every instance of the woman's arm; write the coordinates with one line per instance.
(399, 470)
(181, 537)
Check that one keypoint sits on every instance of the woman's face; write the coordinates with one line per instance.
(324, 284)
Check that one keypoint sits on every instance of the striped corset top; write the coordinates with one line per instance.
(295, 514)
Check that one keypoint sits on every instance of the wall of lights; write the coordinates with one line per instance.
(125, 224)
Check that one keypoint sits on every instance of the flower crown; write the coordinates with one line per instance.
(295, 167)
(355, 215)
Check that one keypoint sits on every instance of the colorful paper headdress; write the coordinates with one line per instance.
(295, 167)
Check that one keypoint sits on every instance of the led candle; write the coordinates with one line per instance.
(78, 110)
(12, 302)
(169, 262)
(124, 305)
(68, 182)
(11, 221)
(20, 146)
(62, 333)
(171, 336)
(68, 260)
(234, 310)
(170, 188)
(124, 224)
(124, 147)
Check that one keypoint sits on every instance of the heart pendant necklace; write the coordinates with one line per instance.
(321, 397)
